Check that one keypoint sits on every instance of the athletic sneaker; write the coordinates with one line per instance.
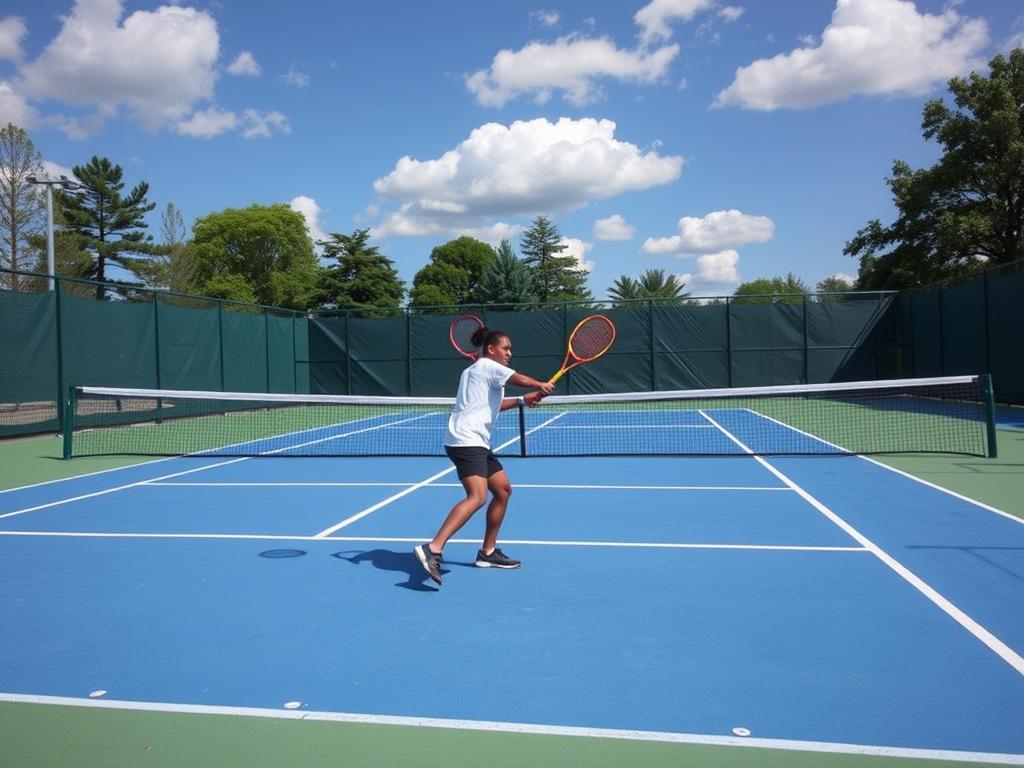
(431, 562)
(497, 559)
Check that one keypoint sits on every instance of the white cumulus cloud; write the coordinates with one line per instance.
(311, 211)
(12, 29)
(245, 65)
(545, 18)
(14, 108)
(525, 168)
(578, 250)
(731, 13)
(159, 67)
(613, 228)
(654, 18)
(717, 231)
(260, 125)
(294, 77)
(572, 64)
(209, 122)
(871, 47)
(157, 64)
(717, 274)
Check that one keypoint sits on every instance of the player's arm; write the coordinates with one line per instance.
(530, 399)
(522, 380)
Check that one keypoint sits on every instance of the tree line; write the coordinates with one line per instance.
(963, 214)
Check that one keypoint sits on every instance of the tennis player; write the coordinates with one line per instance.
(480, 397)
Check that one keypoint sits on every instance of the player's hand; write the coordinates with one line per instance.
(547, 387)
(533, 399)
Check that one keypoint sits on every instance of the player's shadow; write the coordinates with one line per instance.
(398, 562)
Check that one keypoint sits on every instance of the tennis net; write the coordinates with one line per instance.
(951, 415)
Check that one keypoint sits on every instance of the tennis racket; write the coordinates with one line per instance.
(591, 338)
(460, 333)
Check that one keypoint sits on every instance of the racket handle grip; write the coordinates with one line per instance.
(557, 376)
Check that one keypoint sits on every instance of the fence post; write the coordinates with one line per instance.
(988, 340)
(156, 335)
(295, 357)
(348, 352)
(728, 342)
(806, 381)
(58, 290)
(651, 336)
(942, 335)
(408, 351)
(266, 343)
(220, 339)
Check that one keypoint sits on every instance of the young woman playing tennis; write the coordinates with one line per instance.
(480, 397)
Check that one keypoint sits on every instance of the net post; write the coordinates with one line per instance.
(990, 415)
(69, 420)
(522, 429)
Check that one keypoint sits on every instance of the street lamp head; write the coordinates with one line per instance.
(32, 179)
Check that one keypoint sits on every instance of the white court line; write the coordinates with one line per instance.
(89, 474)
(824, 747)
(459, 485)
(370, 510)
(115, 489)
(419, 539)
(190, 471)
(907, 475)
(145, 463)
(996, 645)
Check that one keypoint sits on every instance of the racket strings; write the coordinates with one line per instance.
(461, 334)
(592, 338)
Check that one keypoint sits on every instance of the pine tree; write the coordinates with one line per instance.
(555, 277)
(111, 226)
(363, 276)
(506, 280)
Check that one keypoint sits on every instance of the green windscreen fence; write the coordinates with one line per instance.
(132, 337)
(87, 334)
(969, 326)
(659, 345)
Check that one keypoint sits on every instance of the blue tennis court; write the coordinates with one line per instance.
(824, 603)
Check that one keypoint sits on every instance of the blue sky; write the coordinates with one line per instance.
(721, 140)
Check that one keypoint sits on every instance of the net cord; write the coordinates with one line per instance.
(624, 397)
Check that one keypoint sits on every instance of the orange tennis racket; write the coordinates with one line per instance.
(591, 338)
(460, 333)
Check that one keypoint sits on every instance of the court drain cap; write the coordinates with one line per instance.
(740, 731)
(292, 704)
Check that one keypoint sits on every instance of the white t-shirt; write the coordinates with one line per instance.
(477, 403)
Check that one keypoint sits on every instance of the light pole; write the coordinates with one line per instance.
(64, 183)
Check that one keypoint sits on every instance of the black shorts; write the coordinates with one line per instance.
(472, 460)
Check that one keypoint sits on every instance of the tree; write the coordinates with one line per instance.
(832, 288)
(362, 278)
(440, 284)
(111, 225)
(171, 269)
(506, 280)
(22, 209)
(652, 284)
(70, 259)
(555, 277)
(259, 254)
(966, 211)
(771, 290)
(455, 268)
